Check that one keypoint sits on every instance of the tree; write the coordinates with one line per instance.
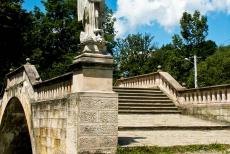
(14, 26)
(108, 28)
(55, 38)
(194, 30)
(171, 61)
(192, 42)
(215, 69)
(133, 52)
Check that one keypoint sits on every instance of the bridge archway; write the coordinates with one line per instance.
(14, 130)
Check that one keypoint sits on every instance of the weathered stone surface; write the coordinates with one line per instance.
(51, 125)
(100, 134)
(108, 116)
(88, 116)
(218, 112)
(88, 103)
(96, 130)
(100, 143)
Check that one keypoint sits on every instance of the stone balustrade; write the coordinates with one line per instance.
(162, 80)
(55, 88)
(206, 95)
(141, 81)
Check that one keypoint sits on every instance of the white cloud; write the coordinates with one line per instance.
(132, 14)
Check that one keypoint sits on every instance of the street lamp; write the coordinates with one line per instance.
(195, 68)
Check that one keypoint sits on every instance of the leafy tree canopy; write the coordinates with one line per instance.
(14, 26)
(215, 69)
(133, 52)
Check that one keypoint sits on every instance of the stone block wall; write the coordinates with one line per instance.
(53, 123)
(216, 112)
(85, 122)
(98, 122)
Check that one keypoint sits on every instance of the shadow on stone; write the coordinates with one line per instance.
(122, 141)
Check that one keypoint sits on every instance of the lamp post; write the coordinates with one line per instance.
(195, 69)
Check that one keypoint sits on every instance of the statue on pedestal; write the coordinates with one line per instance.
(90, 14)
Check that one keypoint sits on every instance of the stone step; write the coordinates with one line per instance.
(124, 88)
(192, 128)
(144, 97)
(147, 108)
(164, 120)
(147, 104)
(142, 94)
(145, 101)
(148, 111)
(138, 91)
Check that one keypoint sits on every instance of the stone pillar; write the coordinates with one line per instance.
(97, 126)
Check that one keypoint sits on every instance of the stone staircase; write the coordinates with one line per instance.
(144, 101)
(147, 117)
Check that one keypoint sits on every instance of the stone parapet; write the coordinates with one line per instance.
(56, 88)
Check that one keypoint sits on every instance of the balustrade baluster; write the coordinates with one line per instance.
(213, 97)
(223, 100)
(204, 99)
(200, 97)
(190, 98)
(186, 97)
(228, 95)
(219, 96)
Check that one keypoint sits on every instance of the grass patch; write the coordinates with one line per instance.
(174, 149)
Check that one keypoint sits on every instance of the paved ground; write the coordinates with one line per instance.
(167, 137)
(171, 138)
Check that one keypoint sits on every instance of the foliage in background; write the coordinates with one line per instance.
(132, 54)
(15, 24)
(194, 30)
(192, 40)
(215, 70)
(133, 57)
(55, 38)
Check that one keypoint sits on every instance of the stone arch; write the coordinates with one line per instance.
(20, 112)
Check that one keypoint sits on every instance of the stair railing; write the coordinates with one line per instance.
(162, 80)
(207, 95)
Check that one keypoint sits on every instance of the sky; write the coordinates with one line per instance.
(160, 18)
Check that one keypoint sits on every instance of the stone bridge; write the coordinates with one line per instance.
(73, 113)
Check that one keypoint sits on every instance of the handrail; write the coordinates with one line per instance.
(165, 75)
(208, 87)
(206, 95)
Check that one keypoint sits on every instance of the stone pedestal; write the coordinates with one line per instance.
(97, 127)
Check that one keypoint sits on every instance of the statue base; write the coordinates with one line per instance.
(93, 72)
(92, 43)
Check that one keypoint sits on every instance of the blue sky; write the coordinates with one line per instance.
(161, 18)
